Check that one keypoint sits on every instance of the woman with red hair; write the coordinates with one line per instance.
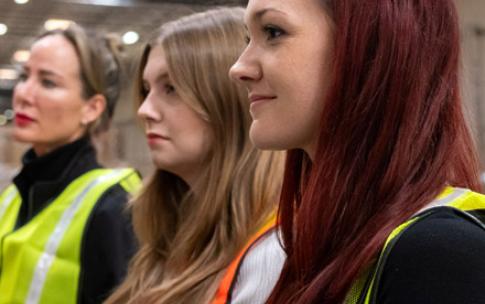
(380, 200)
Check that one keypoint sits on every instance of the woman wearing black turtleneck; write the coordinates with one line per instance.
(65, 235)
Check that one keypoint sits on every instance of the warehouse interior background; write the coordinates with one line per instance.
(134, 21)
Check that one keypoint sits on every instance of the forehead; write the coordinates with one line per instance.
(156, 63)
(295, 9)
(55, 53)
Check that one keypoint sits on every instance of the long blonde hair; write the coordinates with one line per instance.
(188, 237)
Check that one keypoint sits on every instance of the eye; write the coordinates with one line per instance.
(47, 83)
(169, 89)
(23, 76)
(272, 32)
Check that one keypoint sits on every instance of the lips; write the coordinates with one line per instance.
(255, 100)
(23, 119)
(153, 138)
(259, 97)
(151, 135)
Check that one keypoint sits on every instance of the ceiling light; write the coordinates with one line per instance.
(130, 37)
(21, 56)
(54, 24)
(8, 74)
(21, 1)
(3, 29)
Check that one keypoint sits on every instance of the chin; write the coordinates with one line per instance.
(161, 163)
(158, 163)
(264, 140)
(20, 136)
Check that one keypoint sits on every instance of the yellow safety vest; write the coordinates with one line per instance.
(465, 201)
(40, 262)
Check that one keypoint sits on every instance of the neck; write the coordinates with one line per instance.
(42, 149)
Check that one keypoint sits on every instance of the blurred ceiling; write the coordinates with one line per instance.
(26, 21)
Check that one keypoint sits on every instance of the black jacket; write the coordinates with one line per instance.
(439, 260)
(108, 242)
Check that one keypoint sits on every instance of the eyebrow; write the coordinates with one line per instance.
(42, 72)
(159, 78)
(259, 14)
(48, 73)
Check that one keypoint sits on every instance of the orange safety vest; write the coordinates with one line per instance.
(223, 293)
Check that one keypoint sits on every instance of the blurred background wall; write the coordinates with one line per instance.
(472, 14)
(134, 21)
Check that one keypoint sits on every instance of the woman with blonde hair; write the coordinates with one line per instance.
(206, 214)
(65, 237)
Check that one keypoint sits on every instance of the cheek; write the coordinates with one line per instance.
(287, 126)
(60, 113)
(192, 135)
(199, 141)
(291, 121)
(299, 76)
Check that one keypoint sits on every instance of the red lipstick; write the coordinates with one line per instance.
(22, 120)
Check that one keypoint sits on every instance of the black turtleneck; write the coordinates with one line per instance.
(108, 241)
(43, 178)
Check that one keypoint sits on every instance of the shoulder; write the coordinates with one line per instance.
(108, 244)
(109, 225)
(436, 260)
(113, 201)
(259, 270)
(110, 214)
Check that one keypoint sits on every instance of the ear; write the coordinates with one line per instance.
(92, 109)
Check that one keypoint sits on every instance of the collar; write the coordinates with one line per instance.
(44, 178)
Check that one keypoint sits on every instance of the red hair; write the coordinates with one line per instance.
(392, 136)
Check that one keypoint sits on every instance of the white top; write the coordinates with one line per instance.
(259, 271)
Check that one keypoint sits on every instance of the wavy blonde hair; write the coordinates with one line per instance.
(188, 237)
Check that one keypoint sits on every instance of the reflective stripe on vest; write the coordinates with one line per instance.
(465, 201)
(47, 257)
(223, 293)
(10, 195)
(41, 260)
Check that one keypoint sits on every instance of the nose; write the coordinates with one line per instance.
(245, 69)
(24, 92)
(147, 110)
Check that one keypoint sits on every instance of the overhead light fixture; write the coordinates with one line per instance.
(8, 74)
(54, 24)
(21, 1)
(3, 29)
(21, 55)
(130, 37)
(106, 2)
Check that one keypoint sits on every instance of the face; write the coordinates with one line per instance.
(179, 139)
(286, 68)
(48, 104)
